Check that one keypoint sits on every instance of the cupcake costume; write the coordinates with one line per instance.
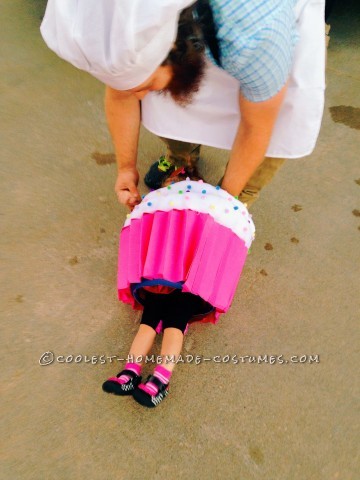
(189, 236)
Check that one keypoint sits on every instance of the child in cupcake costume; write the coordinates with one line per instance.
(182, 250)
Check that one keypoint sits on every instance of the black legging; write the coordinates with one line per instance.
(175, 309)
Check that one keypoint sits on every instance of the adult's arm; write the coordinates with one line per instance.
(252, 140)
(123, 117)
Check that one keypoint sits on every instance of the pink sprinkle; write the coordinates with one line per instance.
(187, 197)
(244, 213)
(201, 181)
(230, 199)
(245, 229)
(226, 210)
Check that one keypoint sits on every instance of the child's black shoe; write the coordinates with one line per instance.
(112, 385)
(148, 400)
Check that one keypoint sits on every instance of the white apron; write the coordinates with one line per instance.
(213, 117)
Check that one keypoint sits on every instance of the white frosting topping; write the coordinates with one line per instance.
(203, 198)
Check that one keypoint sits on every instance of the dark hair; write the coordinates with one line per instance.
(196, 29)
(205, 19)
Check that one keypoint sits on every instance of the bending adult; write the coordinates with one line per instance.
(246, 76)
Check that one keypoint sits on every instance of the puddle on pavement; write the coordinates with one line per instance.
(256, 455)
(74, 261)
(346, 115)
(103, 158)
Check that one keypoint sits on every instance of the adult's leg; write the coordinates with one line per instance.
(261, 177)
(182, 153)
(188, 154)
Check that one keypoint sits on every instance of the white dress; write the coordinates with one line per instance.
(213, 117)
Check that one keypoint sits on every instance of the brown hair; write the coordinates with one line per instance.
(187, 59)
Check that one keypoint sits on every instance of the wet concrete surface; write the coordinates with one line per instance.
(298, 294)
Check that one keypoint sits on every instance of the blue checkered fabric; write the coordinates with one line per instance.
(256, 40)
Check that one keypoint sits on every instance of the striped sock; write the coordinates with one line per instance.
(162, 374)
(134, 367)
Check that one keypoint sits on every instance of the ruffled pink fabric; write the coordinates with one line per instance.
(182, 246)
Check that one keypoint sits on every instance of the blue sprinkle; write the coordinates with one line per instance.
(188, 186)
(143, 196)
(236, 208)
(204, 191)
(217, 187)
(149, 204)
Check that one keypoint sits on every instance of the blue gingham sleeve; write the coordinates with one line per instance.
(259, 54)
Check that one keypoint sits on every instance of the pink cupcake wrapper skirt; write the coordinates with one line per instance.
(181, 246)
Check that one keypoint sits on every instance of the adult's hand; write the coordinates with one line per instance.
(126, 187)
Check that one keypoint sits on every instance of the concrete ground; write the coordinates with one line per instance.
(298, 294)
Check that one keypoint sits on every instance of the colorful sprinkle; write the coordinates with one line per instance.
(243, 212)
(149, 204)
(171, 204)
(236, 197)
(245, 229)
(230, 199)
(227, 210)
(169, 188)
(217, 187)
(201, 181)
(142, 196)
(187, 197)
(212, 207)
(128, 215)
(188, 186)
(187, 191)
(180, 191)
(204, 191)
(236, 208)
